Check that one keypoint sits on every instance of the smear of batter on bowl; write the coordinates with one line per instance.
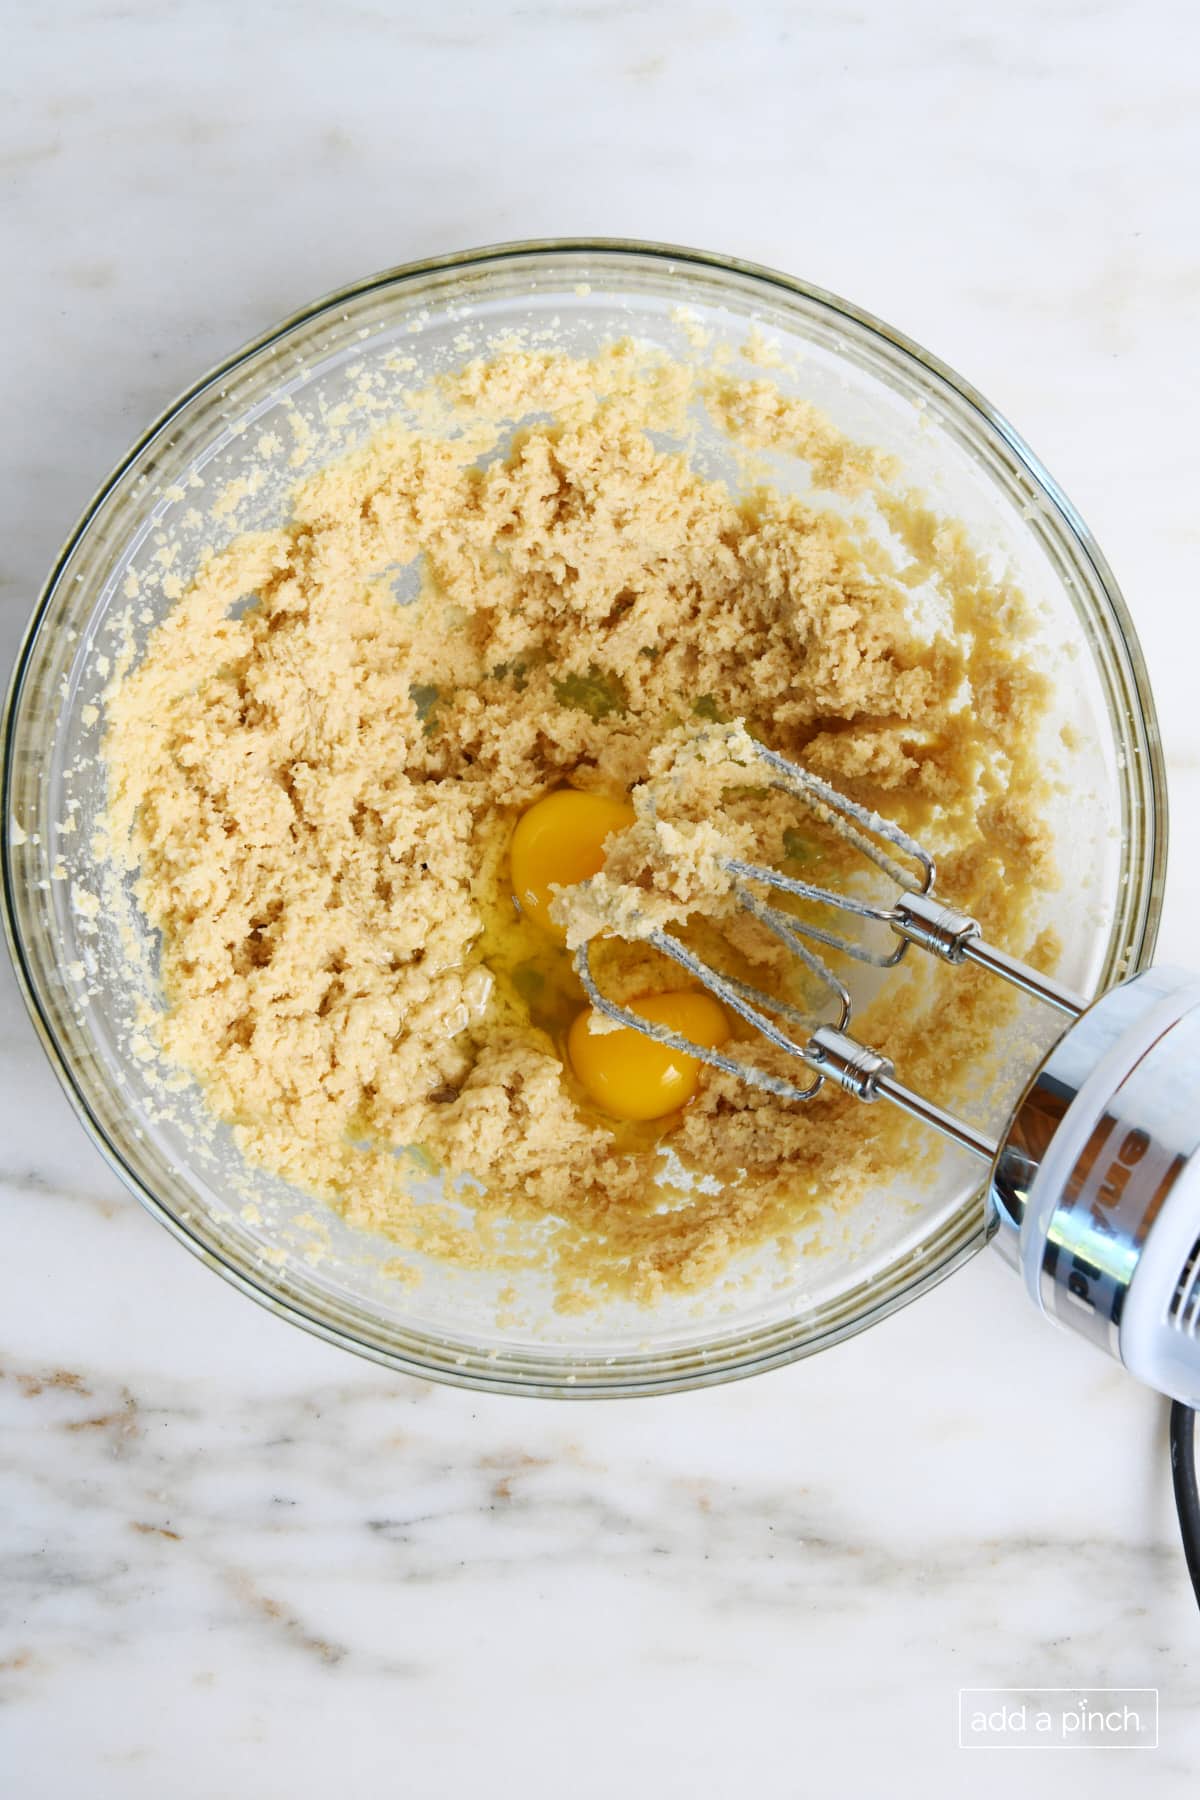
(317, 778)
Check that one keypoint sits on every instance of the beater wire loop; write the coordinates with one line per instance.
(748, 1002)
(791, 928)
(857, 824)
(915, 915)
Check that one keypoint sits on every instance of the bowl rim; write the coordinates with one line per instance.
(967, 1230)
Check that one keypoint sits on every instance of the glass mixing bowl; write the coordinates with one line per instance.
(303, 377)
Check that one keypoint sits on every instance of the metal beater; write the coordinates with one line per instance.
(1094, 1188)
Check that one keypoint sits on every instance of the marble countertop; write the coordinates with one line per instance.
(234, 1561)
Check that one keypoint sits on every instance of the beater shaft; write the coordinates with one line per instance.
(1020, 975)
(955, 937)
(867, 1075)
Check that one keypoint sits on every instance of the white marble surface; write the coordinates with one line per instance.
(233, 1561)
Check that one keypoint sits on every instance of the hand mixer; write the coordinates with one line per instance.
(1094, 1187)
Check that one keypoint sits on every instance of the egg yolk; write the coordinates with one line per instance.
(633, 1077)
(558, 842)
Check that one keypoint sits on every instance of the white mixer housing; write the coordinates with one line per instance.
(1097, 1183)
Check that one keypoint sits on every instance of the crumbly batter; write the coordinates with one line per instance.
(316, 777)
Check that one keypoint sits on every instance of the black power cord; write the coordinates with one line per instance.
(1187, 1493)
